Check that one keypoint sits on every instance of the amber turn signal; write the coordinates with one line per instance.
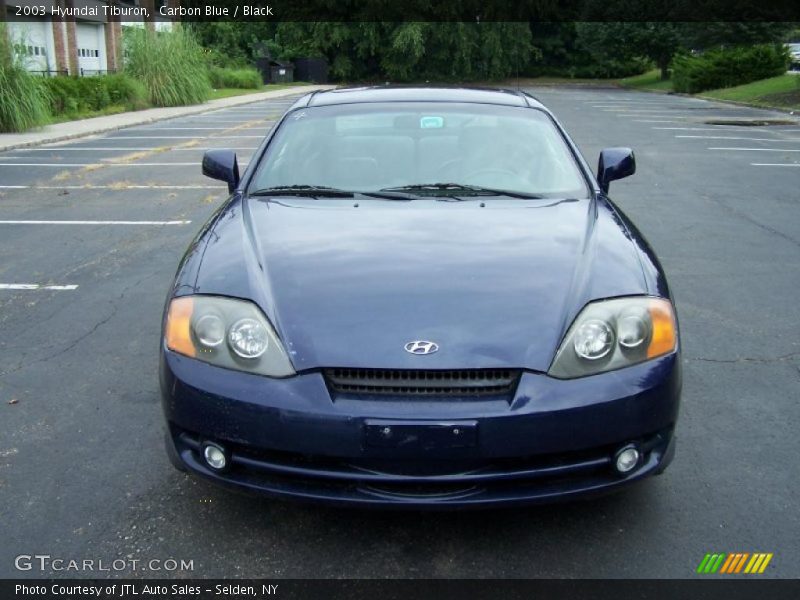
(179, 326)
(663, 338)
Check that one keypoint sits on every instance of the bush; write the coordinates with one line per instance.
(170, 65)
(123, 89)
(23, 98)
(244, 79)
(70, 95)
(727, 67)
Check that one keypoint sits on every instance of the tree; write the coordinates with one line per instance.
(701, 36)
(412, 51)
(626, 40)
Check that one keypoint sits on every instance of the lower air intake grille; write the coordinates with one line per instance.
(395, 382)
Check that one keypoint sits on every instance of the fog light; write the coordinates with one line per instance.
(215, 456)
(627, 459)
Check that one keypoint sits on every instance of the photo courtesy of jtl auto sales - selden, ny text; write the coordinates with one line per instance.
(399, 300)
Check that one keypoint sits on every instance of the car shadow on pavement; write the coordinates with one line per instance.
(228, 533)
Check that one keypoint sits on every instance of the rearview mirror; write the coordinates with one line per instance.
(222, 165)
(615, 163)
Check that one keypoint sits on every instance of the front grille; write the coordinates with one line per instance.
(418, 382)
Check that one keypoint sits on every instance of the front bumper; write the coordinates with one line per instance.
(553, 440)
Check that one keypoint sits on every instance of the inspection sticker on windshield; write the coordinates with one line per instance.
(431, 122)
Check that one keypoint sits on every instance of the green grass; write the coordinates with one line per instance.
(647, 81)
(230, 92)
(782, 91)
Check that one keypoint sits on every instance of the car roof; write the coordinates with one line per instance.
(393, 93)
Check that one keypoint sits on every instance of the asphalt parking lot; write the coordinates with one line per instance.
(91, 232)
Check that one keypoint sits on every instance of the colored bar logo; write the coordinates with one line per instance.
(733, 563)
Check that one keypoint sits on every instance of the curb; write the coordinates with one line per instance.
(38, 138)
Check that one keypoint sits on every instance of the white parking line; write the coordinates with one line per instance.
(94, 222)
(621, 105)
(638, 110)
(655, 121)
(729, 137)
(96, 164)
(112, 187)
(775, 164)
(233, 122)
(760, 149)
(35, 286)
(186, 128)
(155, 137)
(181, 137)
(613, 104)
(127, 149)
(629, 115)
(717, 128)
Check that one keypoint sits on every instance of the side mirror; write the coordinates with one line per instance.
(615, 163)
(222, 165)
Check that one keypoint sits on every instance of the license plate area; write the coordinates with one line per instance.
(385, 433)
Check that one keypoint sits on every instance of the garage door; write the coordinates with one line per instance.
(33, 41)
(91, 47)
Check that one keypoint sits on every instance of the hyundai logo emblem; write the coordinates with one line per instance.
(422, 347)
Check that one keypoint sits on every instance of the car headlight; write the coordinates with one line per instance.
(225, 332)
(611, 334)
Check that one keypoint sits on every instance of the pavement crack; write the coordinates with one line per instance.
(746, 359)
(114, 309)
(749, 219)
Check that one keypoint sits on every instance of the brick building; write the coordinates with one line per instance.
(81, 46)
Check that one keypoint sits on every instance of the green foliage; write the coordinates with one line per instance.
(699, 36)
(125, 90)
(232, 43)
(23, 98)
(411, 51)
(74, 95)
(618, 43)
(728, 67)
(171, 65)
(245, 79)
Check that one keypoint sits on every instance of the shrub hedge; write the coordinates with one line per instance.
(246, 79)
(70, 95)
(727, 67)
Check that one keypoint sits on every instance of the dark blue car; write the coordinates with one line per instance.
(420, 297)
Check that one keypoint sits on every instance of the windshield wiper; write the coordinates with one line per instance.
(459, 189)
(312, 191)
(318, 191)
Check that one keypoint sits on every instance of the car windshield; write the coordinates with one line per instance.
(444, 149)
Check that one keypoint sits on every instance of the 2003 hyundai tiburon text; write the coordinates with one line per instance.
(420, 297)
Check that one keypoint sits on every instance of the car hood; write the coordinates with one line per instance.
(349, 284)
